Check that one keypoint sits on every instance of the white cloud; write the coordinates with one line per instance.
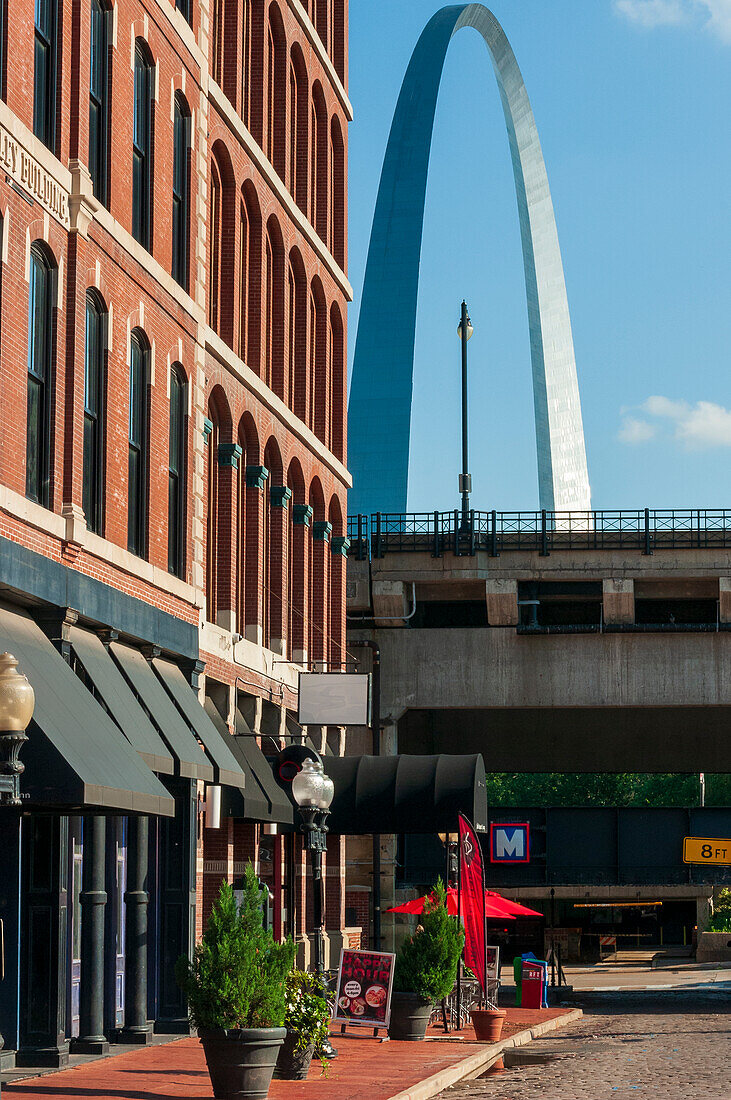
(636, 431)
(702, 426)
(713, 15)
(654, 13)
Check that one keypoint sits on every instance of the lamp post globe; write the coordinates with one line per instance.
(308, 785)
(469, 327)
(328, 792)
(17, 702)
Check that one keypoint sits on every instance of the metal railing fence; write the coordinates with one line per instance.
(494, 532)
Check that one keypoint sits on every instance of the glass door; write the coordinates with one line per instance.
(76, 867)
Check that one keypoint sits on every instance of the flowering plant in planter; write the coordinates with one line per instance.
(307, 1020)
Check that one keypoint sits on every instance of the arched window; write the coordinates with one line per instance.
(338, 212)
(214, 439)
(98, 101)
(214, 285)
(181, 190)
(276, 91)
(142, 146)
(338, 384)
(40, 378)
(139, 374)
(274, 309)
(297, 335)
(319, 362)
(249, 277)
(44, 72)
(94, 393)
(318, 163)
(246, 46)
(298, 128)
(183, 7)
(176, 471)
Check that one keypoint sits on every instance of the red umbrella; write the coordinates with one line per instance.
(493, 905)
(514, 908)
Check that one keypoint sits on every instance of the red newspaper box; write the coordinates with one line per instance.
(532, 985)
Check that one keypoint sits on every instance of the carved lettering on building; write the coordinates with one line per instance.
(28, 174)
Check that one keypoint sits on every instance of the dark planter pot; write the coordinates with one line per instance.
(241, 1062)
(293, 1064)
(488, 1024)
(409, 1017)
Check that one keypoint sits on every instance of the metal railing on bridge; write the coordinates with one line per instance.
(441, 533)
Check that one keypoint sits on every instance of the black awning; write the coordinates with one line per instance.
(251, 803)
(192, 762)
(121, 702)
(75, 757)
(225, 765)
(281, 809)
(406, 794)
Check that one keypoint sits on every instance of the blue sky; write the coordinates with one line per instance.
(633, 104)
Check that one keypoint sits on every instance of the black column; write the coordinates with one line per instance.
(137, 1027)
(176, 903)
(10, 916)
(93, 900)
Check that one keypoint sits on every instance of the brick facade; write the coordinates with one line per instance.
(258, 331)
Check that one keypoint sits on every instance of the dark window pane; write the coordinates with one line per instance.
(93, 393)
(98, 100)
(180, 196)
(44, 72)
(176, 450)
(38, 424)
(137, 499)
(141, 182)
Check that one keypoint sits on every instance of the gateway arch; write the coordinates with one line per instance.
(379, 414)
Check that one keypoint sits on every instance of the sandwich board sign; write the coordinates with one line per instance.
(363, 992)
(510, 842)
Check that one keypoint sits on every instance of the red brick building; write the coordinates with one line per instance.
(173, 485)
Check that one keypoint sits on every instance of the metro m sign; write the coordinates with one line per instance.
(509, 843)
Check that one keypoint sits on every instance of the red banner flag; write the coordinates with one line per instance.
(472, 900)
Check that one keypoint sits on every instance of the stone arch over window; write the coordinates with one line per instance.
(299, 117)
(318, 162)
(274, 307)
(336, 348)
(297, 334)
(218, 432)
(276, 121)
(250, 256)
(297, 575)
(319, 361)
(221, 250)
(338, 199)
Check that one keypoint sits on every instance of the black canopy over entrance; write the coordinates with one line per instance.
(406, 794)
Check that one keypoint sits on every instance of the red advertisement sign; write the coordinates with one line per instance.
(363, 995)
(472, 898)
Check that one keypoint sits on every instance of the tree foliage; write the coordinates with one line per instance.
(236, 978)
(721, 919)
(622, 789)
(426, 963)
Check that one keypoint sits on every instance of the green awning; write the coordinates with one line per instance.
(121, 702)
(192, 762)
(281, 809)
(76, 757)
(226, 767)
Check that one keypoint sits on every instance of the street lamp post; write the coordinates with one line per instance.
(17, 701)
(313, 792)
(464, 331)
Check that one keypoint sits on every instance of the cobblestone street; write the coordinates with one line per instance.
(665, 1047)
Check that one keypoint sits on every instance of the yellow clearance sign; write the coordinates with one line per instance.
(698, 849)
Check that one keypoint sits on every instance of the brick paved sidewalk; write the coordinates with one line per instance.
(365, 1070)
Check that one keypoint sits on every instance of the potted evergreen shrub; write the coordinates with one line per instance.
(425, 968)
(235, 985)
(307, 1020)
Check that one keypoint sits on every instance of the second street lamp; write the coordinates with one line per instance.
(464, 331)
(17, 701)
(313, 792)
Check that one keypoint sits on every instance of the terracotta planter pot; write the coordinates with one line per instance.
(409, 1017)
(241, 1062)
(488, 1024)
(293, 1064)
